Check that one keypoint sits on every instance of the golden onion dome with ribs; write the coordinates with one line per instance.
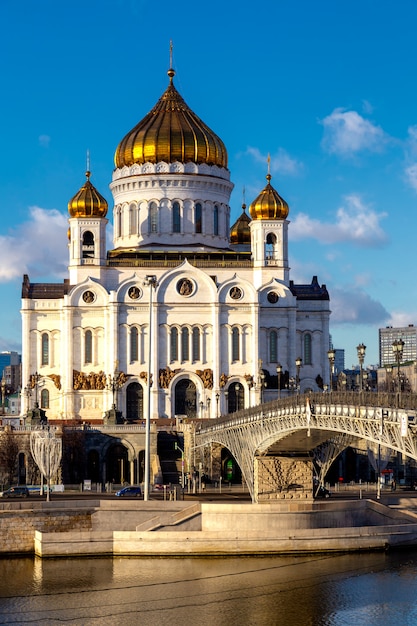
(240, 231)
(269, 205)
(171, 132)
(88, 202)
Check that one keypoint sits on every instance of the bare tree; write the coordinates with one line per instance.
(9, 450)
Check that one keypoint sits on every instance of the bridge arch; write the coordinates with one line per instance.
(303, 424)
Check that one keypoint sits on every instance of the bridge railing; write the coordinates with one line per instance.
(404, 401)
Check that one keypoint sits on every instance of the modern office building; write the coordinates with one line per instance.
(8, 358)
(185, 315)
(387, 336)
(339, 360)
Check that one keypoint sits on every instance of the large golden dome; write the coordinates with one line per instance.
(269, 205)
(240, 231)
(171, 132)
(87, 202)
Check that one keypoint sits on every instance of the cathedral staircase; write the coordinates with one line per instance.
(169, 457)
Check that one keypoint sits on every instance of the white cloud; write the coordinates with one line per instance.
(351, 305)
(411, 175)
(44, 140)
(400, 319)
(410, 158)
(355, 223)
(281, 161)
(347, 133)
(367, 107)
(36, 247)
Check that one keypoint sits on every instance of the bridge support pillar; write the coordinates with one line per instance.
(283, 478)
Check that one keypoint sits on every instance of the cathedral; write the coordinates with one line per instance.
(186, 316)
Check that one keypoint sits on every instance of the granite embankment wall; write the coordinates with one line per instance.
(137, 528)
(19, 521)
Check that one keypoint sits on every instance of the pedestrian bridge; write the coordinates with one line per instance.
(275, 444)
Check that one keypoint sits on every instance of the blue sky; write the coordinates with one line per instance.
(327, 88)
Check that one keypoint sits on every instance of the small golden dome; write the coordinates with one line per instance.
(87, 202)
(171, 132)
(269, 205)
(240, 231)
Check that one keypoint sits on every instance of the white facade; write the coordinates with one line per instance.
(220, 312)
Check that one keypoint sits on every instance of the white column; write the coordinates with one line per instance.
(67, 363)
(26, 314)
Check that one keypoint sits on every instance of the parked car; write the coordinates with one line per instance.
(129, 491)
(159, 487)
(15, 492)
(322, 492)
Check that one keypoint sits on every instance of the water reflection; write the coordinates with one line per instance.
(324, 590)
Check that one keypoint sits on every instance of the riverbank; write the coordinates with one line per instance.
(180, 528)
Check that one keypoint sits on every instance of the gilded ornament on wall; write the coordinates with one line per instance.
(207, 377)
(185, 287)
(166, 375)
(249, 380)
(56, 378)
(89, 297)
(92, 380)
(223, 380)
(144, 376)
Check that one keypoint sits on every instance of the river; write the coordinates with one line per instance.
(374, 589)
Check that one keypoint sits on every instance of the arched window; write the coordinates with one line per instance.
(196, 344)
(270, 247)
(88, 347)
(235, 345)
(185, 344)
(134, 344)
(176, 218)
(45, 349)
(88, 238)
(44, 399)
(198, 218)
(153, 218)
(216, 220)
(174, 344)
(119, 222)
(273, 346)
(133, 219)
(307, 349)
(88, 245)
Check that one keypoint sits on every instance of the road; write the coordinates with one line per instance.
(233, 494)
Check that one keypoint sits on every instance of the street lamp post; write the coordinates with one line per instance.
(115, 383)
(27, 392)
(292, 384)
(237, 393)
(261, 380)
(331, 355)
(378, 486)
(217, 404)
(398, 348)
(361, 349)
(279, 373)
(177, 447)
(34, 383)
(201, 409)
(298, 365)
(208, 406)
(3, 394)
(388, 370)
(151, 282)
